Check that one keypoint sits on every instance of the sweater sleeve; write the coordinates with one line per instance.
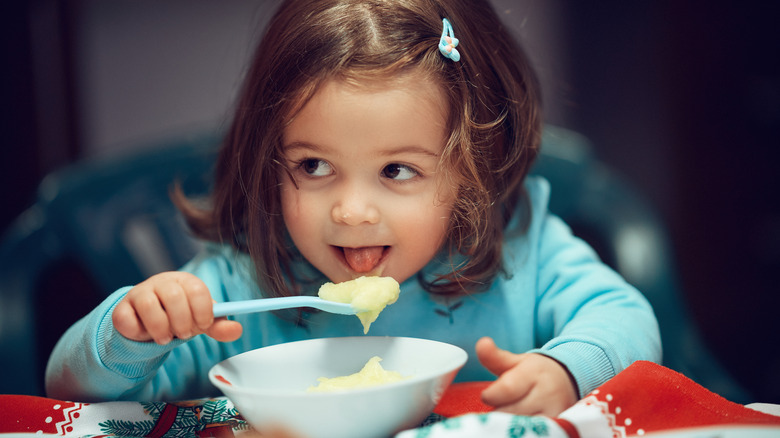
(588, 317)
(92, 362)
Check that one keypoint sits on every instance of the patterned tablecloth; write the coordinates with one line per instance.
(645, 399)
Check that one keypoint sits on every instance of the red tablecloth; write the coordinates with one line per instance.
(644, 398)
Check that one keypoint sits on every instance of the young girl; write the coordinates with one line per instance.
(381, 137)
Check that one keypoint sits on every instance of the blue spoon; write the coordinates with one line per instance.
(267, 304)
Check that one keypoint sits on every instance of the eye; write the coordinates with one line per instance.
(315, 167)
(399, 172)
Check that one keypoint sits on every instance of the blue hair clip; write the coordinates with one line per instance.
(448, 42)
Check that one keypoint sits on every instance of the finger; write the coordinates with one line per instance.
(200, 301)
(511, 387)
(126, 322)
(174, 300)
(549, 392)
(536, 402)
(496, 360)
(152, 316)
(225, 330)
(526, 406)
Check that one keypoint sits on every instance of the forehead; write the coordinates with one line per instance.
(417, 82)
(407, 109)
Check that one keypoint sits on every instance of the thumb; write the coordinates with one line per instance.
(493, 358)
(225, 330)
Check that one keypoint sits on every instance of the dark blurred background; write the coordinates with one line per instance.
(681, 97)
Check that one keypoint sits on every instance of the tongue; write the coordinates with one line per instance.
(363, 259)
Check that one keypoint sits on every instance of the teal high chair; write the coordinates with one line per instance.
(111, 222)
(96, 226)
(629, 235)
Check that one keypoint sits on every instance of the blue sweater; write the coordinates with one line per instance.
(557, 299)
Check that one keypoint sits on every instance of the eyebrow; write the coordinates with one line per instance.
(408, 149)
(411, 149)
(300, 145)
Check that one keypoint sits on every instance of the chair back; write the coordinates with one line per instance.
(96, 226)
(629, 235)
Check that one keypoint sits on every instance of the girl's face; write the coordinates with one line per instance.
(368, 199)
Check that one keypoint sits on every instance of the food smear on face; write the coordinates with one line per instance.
(368, 295)
(372, 374)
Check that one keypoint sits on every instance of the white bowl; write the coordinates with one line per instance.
(268, 385)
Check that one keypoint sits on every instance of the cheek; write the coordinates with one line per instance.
(292, 208)
(440, 218)
(427, 225)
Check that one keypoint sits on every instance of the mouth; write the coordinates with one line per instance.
(362, 259)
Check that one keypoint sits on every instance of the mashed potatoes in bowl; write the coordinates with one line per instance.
(372, 374)
(269, 386)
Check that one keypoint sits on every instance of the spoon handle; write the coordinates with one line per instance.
(268, 304)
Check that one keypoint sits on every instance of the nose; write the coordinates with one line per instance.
(355, 207)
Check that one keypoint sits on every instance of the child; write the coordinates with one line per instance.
(386, 138)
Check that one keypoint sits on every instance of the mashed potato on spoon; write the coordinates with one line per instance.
(369, 295)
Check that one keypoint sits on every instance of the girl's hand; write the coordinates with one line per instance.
(171, 304)
(527, 384)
